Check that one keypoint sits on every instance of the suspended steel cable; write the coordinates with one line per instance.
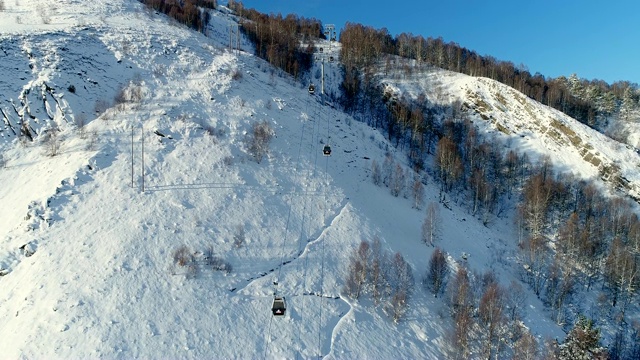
(303, 234)
(324, 216)
(284, 240)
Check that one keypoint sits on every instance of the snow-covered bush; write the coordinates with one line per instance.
(218, 263)
(239, 237)
(259, 139)
(52, 143)
(182, 256)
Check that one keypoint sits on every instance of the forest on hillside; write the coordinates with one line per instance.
(278, 39)
(590, 102)
(187, 12)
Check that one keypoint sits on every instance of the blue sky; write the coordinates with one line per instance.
(595, 39)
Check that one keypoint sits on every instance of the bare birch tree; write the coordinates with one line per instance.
(431, 225)
(437, 272)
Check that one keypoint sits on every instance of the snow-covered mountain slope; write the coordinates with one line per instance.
(527, 126)
(88, 258)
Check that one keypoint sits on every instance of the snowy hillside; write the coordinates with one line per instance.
(528, 126)
(87, 257)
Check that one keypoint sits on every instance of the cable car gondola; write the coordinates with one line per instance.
(312, 89)
(326, 151)
(279, 306)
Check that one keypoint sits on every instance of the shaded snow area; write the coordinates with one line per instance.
(89, 259)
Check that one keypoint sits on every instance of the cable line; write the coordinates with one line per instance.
(324, 216)
(276, 299)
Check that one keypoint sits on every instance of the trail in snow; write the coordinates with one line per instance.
(344, 316)
(317, 238)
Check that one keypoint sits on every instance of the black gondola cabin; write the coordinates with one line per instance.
(279, 306)
(326, 151)
(312, 89)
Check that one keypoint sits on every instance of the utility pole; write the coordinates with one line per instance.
(132, 127)
(322, 86)
(142, 157)
(237, 37)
